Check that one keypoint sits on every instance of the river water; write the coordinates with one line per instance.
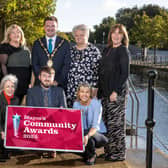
(160, 110)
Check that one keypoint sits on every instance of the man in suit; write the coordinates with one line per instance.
(53, 51)
(46, 95)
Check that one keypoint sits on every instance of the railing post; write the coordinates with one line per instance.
(149, 121)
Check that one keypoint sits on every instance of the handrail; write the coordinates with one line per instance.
(132, 116)
(137, 113)
(131, 123)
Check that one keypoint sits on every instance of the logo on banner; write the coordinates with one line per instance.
(16, 123)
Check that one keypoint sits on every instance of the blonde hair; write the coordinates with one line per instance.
(122, 30)
(83, 85)
(9, 77)
(8, 32)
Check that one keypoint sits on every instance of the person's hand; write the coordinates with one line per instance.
(86, 138)
(30, 85)
(113, 96)
(2, 135)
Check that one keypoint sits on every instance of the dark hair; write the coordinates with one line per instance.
(122, 30)
(51, 18)
(46, 69)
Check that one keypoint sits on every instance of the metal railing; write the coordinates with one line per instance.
(159, 61)
(149, 121)
(133, 97)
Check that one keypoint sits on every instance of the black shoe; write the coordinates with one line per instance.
(113, 159)
(91, 161)
(4, 157)
(2, 160)
(103, 155)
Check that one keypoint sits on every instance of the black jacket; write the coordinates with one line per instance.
(3, 104)
(113, 71)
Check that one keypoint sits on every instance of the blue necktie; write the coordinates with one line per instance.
(45, 98)
(50, 46)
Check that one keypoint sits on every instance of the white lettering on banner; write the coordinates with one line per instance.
(66, 125)
(40, 131)
(30, 136)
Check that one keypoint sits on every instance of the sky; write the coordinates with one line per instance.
(92, 12)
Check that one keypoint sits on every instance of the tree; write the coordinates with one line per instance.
(151, 10)
(63, 35)
(29, 14)
(150, 32)
(157, 33)
(141, 32)
(101, 31)
(127, 16)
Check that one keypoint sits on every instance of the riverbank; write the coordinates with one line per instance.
(141, 68)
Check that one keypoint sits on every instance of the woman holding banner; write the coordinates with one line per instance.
(7, 88)
(92, 124)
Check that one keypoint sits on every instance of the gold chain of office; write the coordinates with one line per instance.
(50, 56)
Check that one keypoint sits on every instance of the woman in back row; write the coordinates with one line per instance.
(84, 63)
(15, 58)
(113, 90)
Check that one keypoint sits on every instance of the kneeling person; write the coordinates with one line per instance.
(92, 120)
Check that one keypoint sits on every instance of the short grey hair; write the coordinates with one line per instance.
(9, 77)
(81, 27)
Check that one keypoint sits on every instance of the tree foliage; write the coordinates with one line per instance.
(129, 16)
(126, 16)
(150, 32)
(101, 31)
(29, 14)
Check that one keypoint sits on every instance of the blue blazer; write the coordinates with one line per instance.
(61, 59)
(35, 97)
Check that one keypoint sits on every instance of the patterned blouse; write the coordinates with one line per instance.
(83, 68)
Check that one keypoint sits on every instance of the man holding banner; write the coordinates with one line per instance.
(45, 95)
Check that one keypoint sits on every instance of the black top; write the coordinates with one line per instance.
(19, 64)
(3, 104)
(113, 70)
(17, 56)
(6, 48)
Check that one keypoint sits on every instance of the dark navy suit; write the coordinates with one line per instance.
(35, 97)
(61, 59)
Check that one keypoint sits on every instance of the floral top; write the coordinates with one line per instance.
(83, 68)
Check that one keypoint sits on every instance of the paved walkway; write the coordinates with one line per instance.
(135, 159)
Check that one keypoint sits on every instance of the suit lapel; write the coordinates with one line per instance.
(44, 41)
(57, 41)
(40, 98)
(52, 96)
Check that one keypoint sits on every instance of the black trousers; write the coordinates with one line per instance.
(3, 152)
(96, 141)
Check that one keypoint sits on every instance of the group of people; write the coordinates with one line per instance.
(57, 74)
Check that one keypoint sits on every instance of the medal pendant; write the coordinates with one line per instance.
(50, 63)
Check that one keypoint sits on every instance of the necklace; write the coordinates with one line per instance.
(50, 56)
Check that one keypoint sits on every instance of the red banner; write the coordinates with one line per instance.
(43, 129)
